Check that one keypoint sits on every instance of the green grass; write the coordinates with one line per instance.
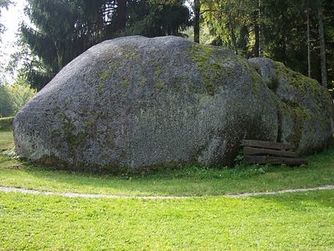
(189, 181)
(286, 222)
(301, 221)
(6, 123)
(6, 140)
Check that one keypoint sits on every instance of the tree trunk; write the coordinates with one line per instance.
(257, 50)
(308, 40)
(197, 13)
(257, 37)
(260, 48)
(121, 15)
(232, 33)
(322, 48)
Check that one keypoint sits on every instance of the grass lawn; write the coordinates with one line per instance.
(6, 140)
(285, 222)
(189, 181)
(299, 221)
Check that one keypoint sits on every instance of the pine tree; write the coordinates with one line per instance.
(63, 29)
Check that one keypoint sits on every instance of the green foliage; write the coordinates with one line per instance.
(6, 104)
(6, 123)
(271, 28)
(329, 37)
(64, 29)
(14, 97)
(284, 32)
(157, 18)
(229, 22)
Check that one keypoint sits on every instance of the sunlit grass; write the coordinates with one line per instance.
(302, 221)
(188, 181)
(285, 222)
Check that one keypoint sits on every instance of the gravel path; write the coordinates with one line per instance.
(111, 196)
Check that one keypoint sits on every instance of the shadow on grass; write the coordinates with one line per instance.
(190, 180)
(301, 202)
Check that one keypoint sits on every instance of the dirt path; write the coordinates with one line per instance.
(111, 196)
(298, 190)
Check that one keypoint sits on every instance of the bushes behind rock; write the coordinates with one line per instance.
(6, 123)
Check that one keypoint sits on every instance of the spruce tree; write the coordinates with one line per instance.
(63, 29)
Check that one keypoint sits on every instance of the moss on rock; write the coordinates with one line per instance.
(210, 66)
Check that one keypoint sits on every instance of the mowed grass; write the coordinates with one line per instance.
(286, 222)
(6, 140)
(188, 181)
(298, 221)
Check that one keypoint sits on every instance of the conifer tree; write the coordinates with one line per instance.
(63, 29)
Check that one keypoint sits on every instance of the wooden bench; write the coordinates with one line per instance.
(265, 152)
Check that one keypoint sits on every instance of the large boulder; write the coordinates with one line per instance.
(136, 103)
(305, 108)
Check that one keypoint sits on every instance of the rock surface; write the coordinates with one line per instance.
(305, 108)
(136, 103)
